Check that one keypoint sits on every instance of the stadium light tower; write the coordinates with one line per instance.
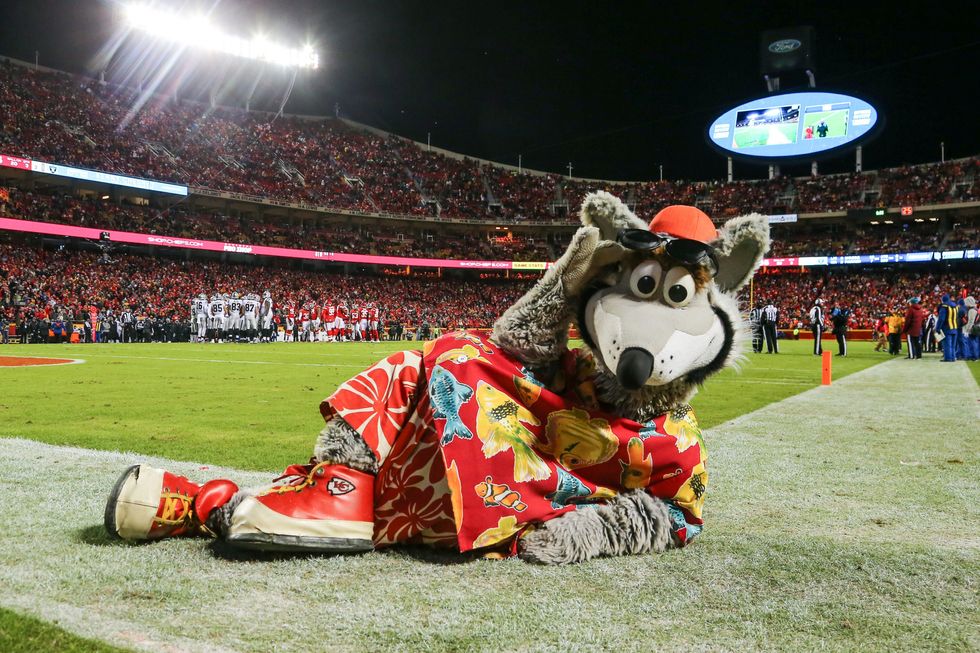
(196, 31)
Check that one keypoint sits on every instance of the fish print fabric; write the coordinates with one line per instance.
(474, 449)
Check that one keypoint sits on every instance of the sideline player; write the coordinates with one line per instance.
(303, 326)
(354, 323)
(374, 321)
(341, 323)
(250, 321)
(217, 311)
(235, 316)
(201, 317)
(315, 322)
(290, 322)
(265, 316)
(327, 316)
(362, 323)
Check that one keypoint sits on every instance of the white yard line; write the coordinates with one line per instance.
(179, 596)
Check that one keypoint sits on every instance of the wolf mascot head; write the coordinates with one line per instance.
(654, 302)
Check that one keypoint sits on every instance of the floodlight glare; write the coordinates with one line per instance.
(196, 31)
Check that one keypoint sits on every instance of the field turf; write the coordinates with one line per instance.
(840, 518)
(759, 135)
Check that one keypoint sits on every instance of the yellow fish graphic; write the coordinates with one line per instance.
(461, 355)
(578, 440)
(683, 425)
(691, 494)
(506, 527)
(499, 426)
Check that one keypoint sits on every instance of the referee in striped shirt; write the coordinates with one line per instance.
(816, 326)
(770, 319)
(755, 323)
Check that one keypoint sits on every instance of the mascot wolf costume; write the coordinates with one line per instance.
(512, 444)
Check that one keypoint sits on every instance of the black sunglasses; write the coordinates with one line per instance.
(685, 250)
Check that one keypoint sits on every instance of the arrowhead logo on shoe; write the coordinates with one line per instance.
(338, 486)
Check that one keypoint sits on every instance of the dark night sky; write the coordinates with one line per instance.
(615, 88)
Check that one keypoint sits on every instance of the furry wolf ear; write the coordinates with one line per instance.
(608, 213)
(740, 246)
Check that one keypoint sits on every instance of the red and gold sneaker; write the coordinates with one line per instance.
(321, 507)
(148, 503)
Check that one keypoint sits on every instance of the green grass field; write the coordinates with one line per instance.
(256, 407)
(838, 518)
(836, 122)
(759, 135)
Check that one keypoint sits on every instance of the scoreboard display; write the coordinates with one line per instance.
(793, 126)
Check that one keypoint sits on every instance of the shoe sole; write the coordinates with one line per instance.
(296, 544)
(109, 518)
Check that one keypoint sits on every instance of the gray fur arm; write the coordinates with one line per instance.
(339, 443)
(535, 328)
(633, 522)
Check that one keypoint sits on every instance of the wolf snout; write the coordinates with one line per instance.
(634, 368)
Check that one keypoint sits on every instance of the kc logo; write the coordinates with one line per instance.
(338, 486)
(52, 169)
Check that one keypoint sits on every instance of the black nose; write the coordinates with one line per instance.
(634, 368)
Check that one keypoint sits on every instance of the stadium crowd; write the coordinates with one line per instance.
(331, 163)
(44, 284)
(411, 241)
(180, 221)
(869, 294)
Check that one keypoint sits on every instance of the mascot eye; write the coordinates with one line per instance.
(645, 279)
(680, 287)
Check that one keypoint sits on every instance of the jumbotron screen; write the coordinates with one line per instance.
(793, 125)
